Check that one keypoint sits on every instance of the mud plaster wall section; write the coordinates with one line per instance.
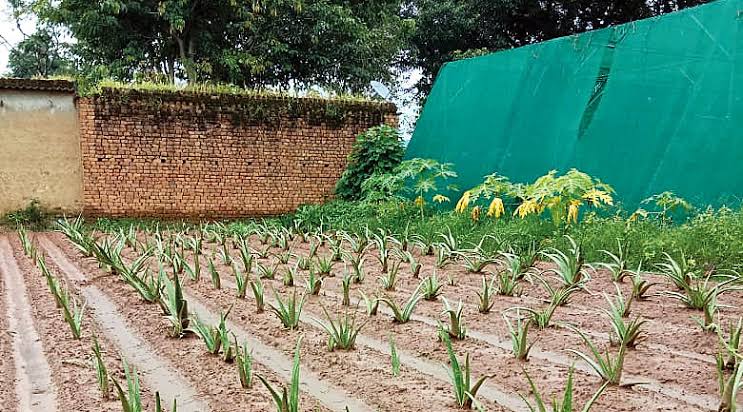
(39, 146)
(175, 155)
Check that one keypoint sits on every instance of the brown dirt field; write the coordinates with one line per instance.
(73, 374)
(675, 362)
(215, 381)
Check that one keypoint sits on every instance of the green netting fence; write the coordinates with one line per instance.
(648, 106)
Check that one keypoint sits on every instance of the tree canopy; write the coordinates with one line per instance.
(340, 45)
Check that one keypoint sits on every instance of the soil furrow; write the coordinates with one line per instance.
(8, 399)
(215, 381)
(34, 388)
(437, 371)
(155, 372)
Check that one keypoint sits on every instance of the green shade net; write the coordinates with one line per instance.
(648, 106)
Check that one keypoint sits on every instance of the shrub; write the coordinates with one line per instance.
(377, 150)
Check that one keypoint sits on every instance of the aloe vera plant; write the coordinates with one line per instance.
(430, 287)
(325, 266)
(288, 310)
(617, 264)
(72, 311)
(214, 274)
(389, 279)
(518, 332)
(485, 295)
(258, 294)
(370, 303)
(175, 306)
(266, 272)
(313, 283)
(394, 358)
(207, 333)
(731, 344)
(342, 331)
(607, 366)
(729, 386)
(244, 361)
(159, 406)
(475, 262)
(101, 372)
(346, 285)
(194, 272)
(456, 329)
(678, 272)
(131, 401)
(241, 280)
(402, 315)
(626, 332)
(465, 392)
(564, 405)
(290, 275)
(640, 286)
(288, 399)
(570, 266)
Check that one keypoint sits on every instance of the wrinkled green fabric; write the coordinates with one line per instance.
(648, 106)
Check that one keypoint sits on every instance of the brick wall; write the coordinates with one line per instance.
(197, 155)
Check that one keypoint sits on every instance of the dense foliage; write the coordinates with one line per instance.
(337, 44)
(377, 150)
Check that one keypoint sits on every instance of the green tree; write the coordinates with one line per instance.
(284, 43)
(40, 54)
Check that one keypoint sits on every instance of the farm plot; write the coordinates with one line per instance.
(275, 318)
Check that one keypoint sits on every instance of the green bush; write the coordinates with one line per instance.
(32, 216)
(377, 150)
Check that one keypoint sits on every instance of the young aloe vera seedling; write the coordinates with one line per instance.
(402, 315)
(101, 372)
(569, 266)
(431, 287)
(208, 334)
(730, 386)
(241, 280)
(289, 275)
(617, 265)
(159, 406)
(266, 272)
(346, 284)
(640, 286)
(175, 306)
(313, 283)
(485, 295)
(394, 358)
(371, 304)
(257, 287)
(325, 266)
(194, 272)
(288, 399)
(608, 367)
(566, 404)
(456, 329)
(465, 392)
(244, 361)
(389, 280)
(342, 331)
(131, 401)
(216, 280)
(731, 344)
(519, 336)
(288, 311)
(72, 311)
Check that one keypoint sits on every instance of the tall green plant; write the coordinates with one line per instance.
(377, 150)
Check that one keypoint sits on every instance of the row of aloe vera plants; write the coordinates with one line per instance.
(568, 271)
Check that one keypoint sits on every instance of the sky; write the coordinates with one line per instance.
(406, 102)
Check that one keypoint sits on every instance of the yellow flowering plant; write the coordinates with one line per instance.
(561, 195)
(493, 188)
